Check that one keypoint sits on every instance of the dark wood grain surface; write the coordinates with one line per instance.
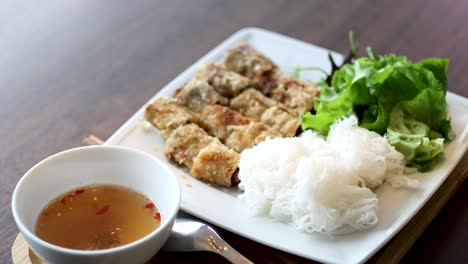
(70, 68)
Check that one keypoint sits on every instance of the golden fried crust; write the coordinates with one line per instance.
(226, 83)
(264, 135)
(294, 93)
(246, 136)
(252, 103)
(265, 77)
(247, 61)
(198, 93)
(264, 103)
(265, 82)
(216, 118)
(283, 119)
(206, 157)
(185, 142)
(166, 115)
(215, 163)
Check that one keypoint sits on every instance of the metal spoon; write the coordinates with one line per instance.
(190, 234)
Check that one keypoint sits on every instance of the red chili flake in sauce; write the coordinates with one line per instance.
(63, 200)
(79, 191)
(157, 216)
(149, 205)
(103, 210)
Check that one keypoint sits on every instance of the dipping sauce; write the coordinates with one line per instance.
(97, 217)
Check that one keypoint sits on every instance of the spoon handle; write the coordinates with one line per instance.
(216, 244)
(233, 255)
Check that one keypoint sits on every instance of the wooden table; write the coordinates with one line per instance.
(70, 68)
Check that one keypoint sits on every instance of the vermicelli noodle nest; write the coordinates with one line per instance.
(321, 185)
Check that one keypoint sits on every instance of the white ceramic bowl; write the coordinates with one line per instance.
(96, 165)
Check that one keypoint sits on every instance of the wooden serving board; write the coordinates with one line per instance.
(392, 252)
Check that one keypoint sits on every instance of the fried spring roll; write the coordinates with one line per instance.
(245, 136)
(247, 61)
(266, 78)
(233, 129)
(226, 83)
(294, 93)
(254, 104)
(283, 119)
(184, 143)
(166, 114)
(197, 93)
(216, 163)
(206, 157)
(215, 119)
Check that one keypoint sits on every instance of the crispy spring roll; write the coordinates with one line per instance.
(215, 119)
(294, 93)
(233, 129)
(166, 114)
(283, 119)
(266, 78)
(245, 136)
(198, 93)
(254, 104)
(206, 157)
(247, 61)
(216, 163)
(184, 143)
(226, 83)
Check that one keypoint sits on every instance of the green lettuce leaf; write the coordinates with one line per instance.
(413, 139)
(370, 87)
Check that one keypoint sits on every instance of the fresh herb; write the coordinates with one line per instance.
(352, 54)
(297, 71)
(352, 45)
(371, 87)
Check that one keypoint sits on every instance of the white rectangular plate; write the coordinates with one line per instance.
(221, 207)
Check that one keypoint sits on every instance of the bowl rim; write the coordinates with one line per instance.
(30, 235)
